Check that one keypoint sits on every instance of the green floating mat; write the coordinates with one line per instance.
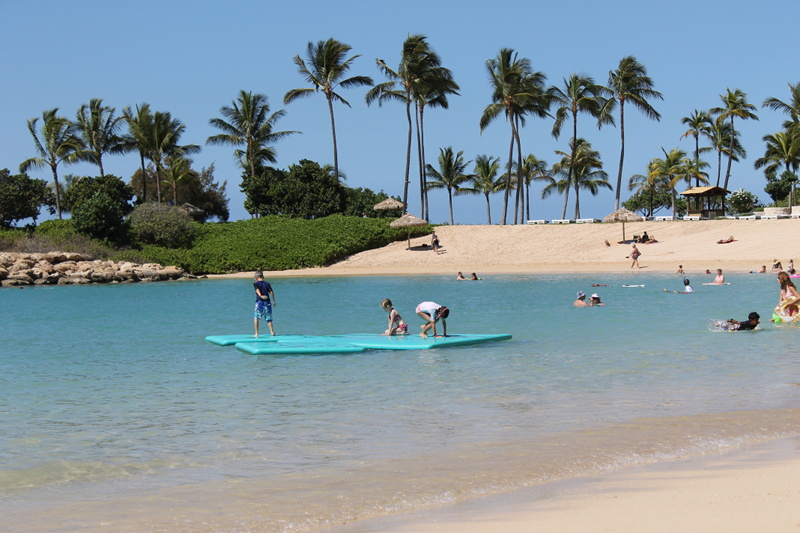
(309, 344)
(228, 340)
(415, 342)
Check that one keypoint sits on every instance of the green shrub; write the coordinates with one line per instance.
(56, 228)
(162, 225)
(100, 217)
(276, 243)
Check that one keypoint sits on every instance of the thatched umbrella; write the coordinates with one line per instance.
(389, 204)
(623, 215)
(408, 221)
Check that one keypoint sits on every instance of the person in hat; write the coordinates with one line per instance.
(594, 301)
(581, 301)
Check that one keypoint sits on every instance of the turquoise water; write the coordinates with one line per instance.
(117, 416)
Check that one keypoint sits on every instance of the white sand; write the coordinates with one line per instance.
(578, 248)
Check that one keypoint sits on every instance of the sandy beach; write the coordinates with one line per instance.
(744, 491)
(554, 248)
(752, 489)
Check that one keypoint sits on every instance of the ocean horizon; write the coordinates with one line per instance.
(117, 415)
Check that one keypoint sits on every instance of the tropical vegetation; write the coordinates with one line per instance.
(101, 206)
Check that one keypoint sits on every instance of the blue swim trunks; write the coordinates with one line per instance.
(263, 310)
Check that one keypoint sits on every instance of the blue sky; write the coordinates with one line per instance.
(193, 57)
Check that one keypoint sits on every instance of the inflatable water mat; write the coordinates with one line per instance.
(352, 343)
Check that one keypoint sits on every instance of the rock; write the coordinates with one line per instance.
(170, 272)
(22, 277)
(13, 283)
(104, 275)
(55, 257)
(65, 268)
(21, 264)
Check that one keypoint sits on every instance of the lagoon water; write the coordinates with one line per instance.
(115, 415)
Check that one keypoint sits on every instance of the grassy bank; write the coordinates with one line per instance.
(268, 243)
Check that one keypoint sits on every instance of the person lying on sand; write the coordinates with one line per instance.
(726, 241)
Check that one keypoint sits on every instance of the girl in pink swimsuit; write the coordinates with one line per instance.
(397, 325)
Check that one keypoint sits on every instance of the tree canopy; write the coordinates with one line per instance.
(22, 197)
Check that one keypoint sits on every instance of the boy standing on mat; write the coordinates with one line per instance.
(263, 302)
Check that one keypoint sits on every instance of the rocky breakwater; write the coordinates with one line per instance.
(64, 268)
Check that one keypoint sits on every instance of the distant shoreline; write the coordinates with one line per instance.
(574, 248)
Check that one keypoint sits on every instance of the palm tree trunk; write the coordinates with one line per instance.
(424, 161)
(730, 155)
(528, 201)
(697, 158)
(158, 182)
(519, 205)
(100, 164)
(333, 133)
(577, 203)
(421, 167)
(58, 191)
(408, 150)
(508, 176)
(144, 178)
(450, 200)
(251, 157)
(566, 200)
(674, 197)
(488, 210)
(719, 165)
(570, 172)
(621, 152)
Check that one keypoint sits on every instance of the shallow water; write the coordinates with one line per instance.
(116, 415)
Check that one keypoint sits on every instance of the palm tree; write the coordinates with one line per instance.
(326, 70)
(782, 151)
(398, 88)
(583, 169)
(667, 172)
(451, 174)
(178, 169)
(432, 89)
(58, 143)
(140, 124)
(247, 123)
(516, 91)
(98, 127)
(164, 142)
(580, 94)
(630, 83)
(643, 184)
(735, 105)
(533, 169)
(791, 108)
(699, 123)
(693, 169)
(719, 134)
(485, 181)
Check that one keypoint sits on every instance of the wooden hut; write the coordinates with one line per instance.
(709, 202)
